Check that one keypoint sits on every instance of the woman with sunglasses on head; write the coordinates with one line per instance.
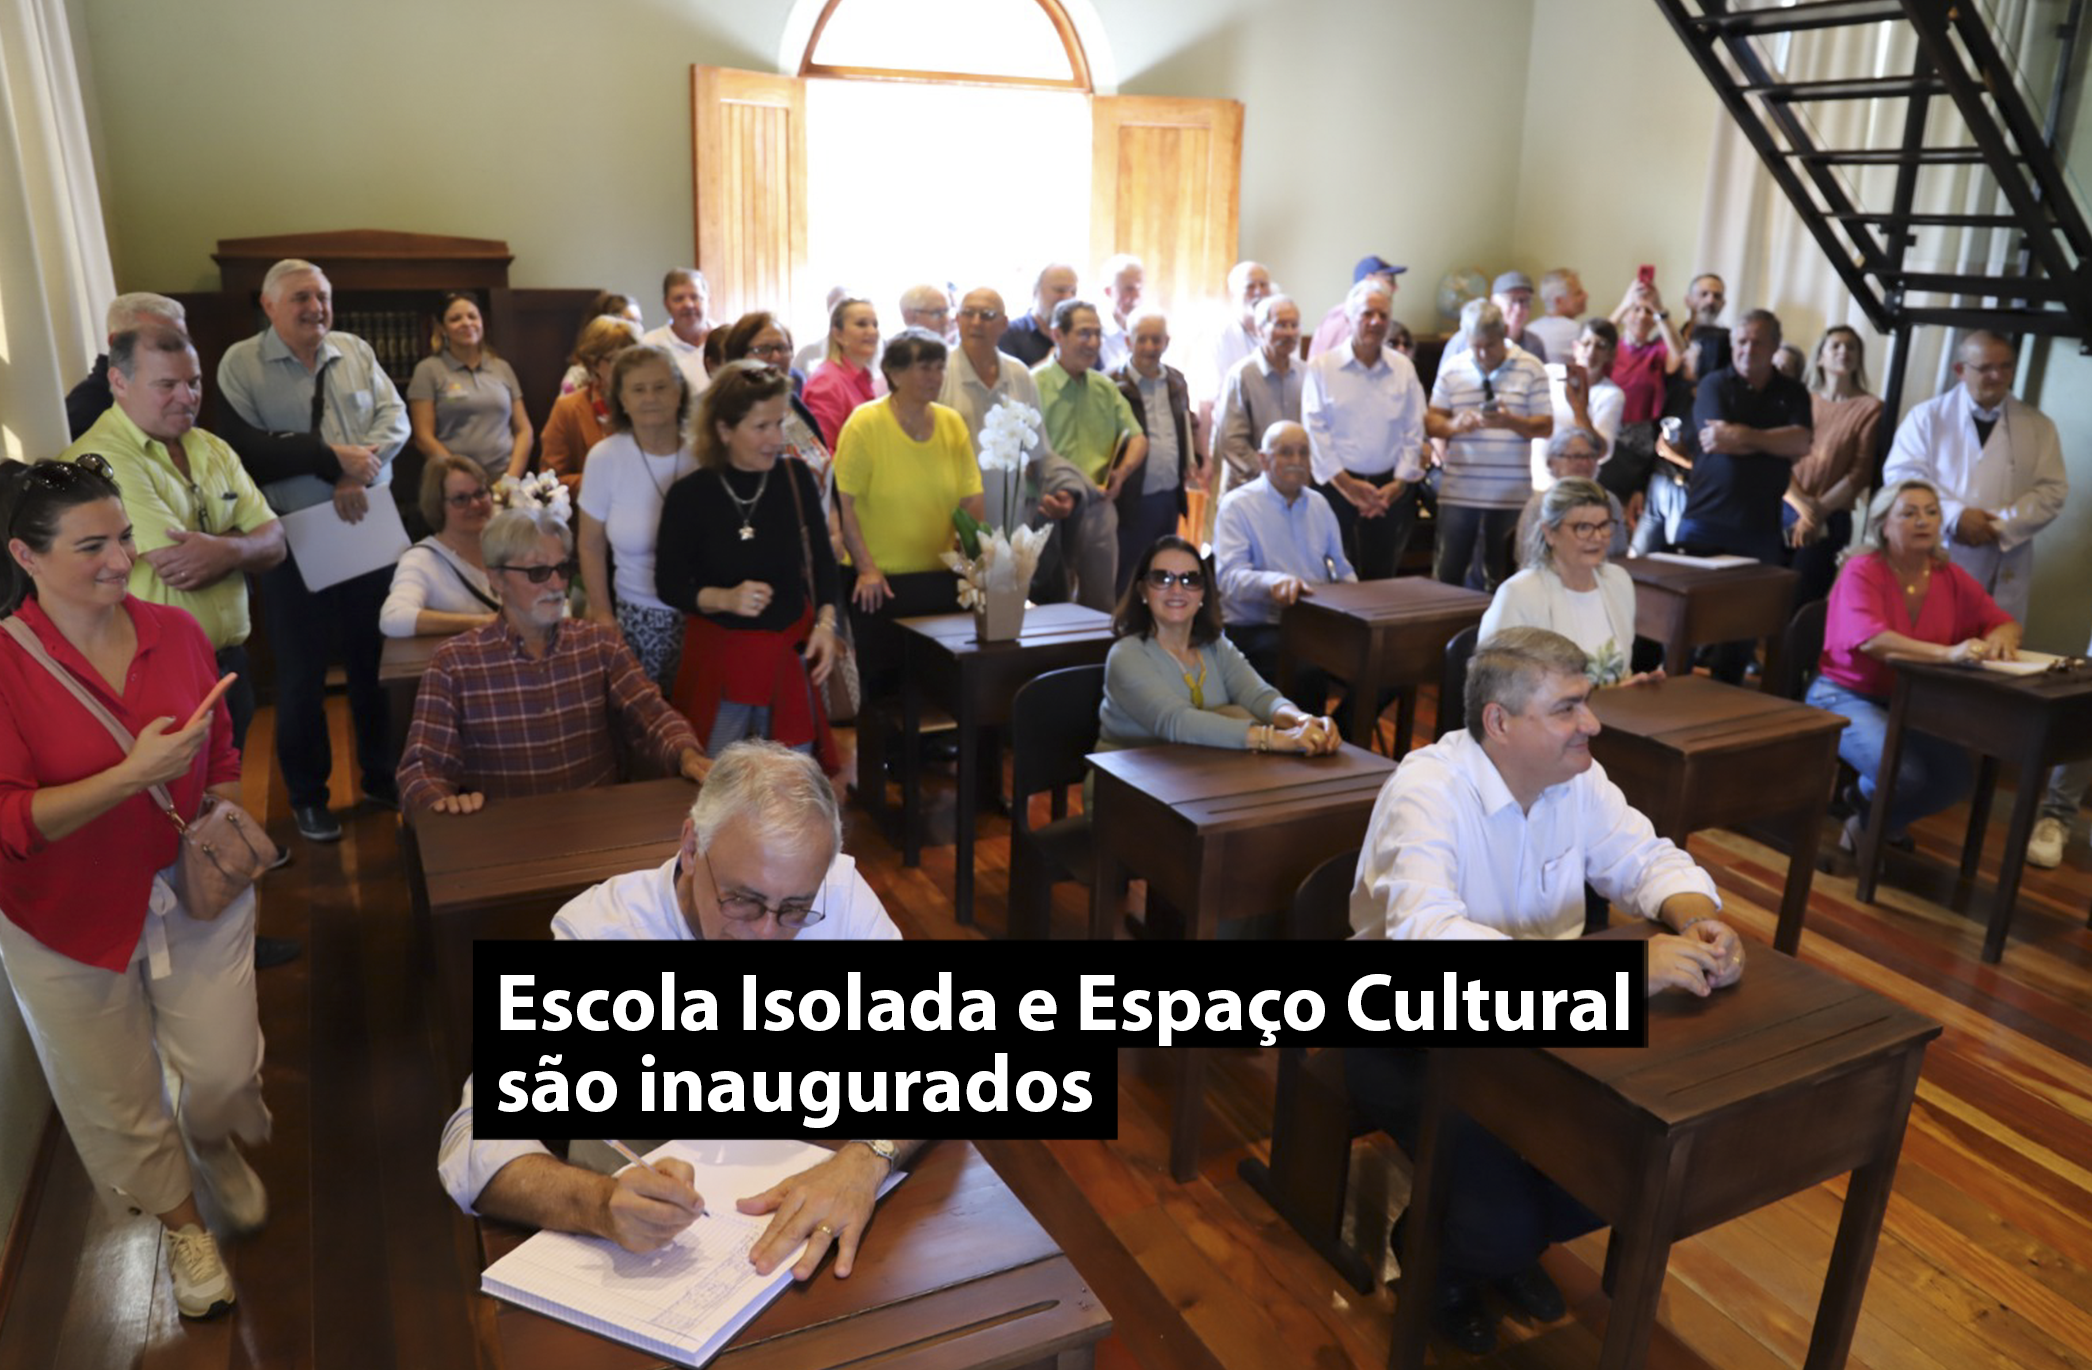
(1172, 676)
(440, 585)
(744, 552)
(1568, 585)
(622, 491)
(116, 980)
(464, 399)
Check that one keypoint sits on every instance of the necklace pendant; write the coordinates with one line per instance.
(747, 533)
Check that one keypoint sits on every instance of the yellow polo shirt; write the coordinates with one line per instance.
(217, 497)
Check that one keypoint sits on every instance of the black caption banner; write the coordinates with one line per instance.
(974, 1039)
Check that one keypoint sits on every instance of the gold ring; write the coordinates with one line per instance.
(824, 1227)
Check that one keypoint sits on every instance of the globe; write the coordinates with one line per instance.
(1457, 287)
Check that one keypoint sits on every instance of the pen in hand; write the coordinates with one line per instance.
(635, 1158)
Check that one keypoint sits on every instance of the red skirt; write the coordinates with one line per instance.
(757, 667)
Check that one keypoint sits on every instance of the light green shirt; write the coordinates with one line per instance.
(218, 496)
(1086, 417)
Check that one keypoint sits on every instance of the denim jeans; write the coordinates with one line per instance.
(1465, 531)
(1932, 775)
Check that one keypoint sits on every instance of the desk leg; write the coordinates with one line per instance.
(1405, 720)
(966, 807)
(1979, 818)
(1807, 832)
(1678, 648)
(1859, 1228)
(911, 765)
(1365, 705)
(2026, 804)
(1188, 1114)
(1430, 1183)
(1643, 1238)
(1884, 791)
(1107, 900)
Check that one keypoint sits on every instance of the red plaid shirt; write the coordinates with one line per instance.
(492, 719)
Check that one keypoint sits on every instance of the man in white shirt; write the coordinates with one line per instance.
(1364, 411)
(1124, 280)
(1583, 394)
(761, 859)
(1237, 337)
(1491, 833)
(1562, 304)
(688, 300)
(1996, 463)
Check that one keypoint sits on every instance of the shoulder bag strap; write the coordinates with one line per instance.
(466, 581)
(806, 546)
(24, 634)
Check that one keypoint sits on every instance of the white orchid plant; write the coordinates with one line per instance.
(1000, 559)
(539, 490)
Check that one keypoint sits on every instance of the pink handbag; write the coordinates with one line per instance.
(223, 849)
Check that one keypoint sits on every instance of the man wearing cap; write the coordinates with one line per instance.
(1512, 293)
(1335, 331)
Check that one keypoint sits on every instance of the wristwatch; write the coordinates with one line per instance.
(884, 1150)
(1663, 313)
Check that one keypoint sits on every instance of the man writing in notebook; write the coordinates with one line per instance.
(761, 859)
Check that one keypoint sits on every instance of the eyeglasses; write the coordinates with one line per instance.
(565, 570)
(746, 908)
(984, 315)
(1587, 530)
(1190, 580)
(481, 495)
(63, 477)
(772, 349)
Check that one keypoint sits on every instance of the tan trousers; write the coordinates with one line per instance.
(102, 1037)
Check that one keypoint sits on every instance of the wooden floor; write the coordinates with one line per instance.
(1986, 1258)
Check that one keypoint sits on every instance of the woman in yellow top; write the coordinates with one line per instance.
(902, 465)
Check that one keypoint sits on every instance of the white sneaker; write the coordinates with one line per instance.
(202, 1288)
(2045, 847)
(232, 1185)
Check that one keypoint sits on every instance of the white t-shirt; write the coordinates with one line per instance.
(1607, 402)
(623, 489)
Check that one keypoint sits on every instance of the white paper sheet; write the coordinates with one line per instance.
(329, 551)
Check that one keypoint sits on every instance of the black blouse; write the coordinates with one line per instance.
(701, 547)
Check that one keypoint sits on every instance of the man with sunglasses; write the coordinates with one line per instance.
(525, 705)
(761, 860)
(199, 519)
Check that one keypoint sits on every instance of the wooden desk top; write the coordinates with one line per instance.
(547, 845)
(2047, 687)
(1390, 602)
(1696, 713)
(1043, 624)
(1784, 1025)
(1216, 789)
(1671, 575)
(952, 1255)
(404, 659)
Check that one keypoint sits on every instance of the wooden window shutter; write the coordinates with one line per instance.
(748, 152)
(1165, 186)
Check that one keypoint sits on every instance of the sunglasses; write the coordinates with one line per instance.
(565, 570)
(66, 477)
(1190, 580)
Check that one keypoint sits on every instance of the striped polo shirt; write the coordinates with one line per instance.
(1491, 468)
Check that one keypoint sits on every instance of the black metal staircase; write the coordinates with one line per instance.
(1958, 63)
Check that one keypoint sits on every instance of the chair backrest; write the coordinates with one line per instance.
(1321, 910)
(1053, 727)
(1452, 682)
(1801, 647)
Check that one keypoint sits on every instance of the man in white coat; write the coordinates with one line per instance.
(1997, 464)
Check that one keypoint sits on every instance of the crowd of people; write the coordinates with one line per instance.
(666, 577)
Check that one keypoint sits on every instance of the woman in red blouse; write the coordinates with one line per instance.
(114, 978)
(1903, 599)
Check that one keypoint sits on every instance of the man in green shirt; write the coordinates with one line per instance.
(1090, 424)
(199, 521)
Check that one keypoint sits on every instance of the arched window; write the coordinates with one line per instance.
(977, 42)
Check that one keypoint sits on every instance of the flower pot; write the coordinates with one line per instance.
(999, 616)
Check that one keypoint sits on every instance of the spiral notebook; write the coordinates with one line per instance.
(686, 1301)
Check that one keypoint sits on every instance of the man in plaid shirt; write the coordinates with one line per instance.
(526, 705)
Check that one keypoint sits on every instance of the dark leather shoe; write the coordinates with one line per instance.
(275, 951)
(1463, 1318)
(1532, 1293)
(384, 795)
(316, 823)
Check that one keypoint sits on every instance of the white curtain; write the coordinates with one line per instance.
(55, 275)
(1751, 235)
